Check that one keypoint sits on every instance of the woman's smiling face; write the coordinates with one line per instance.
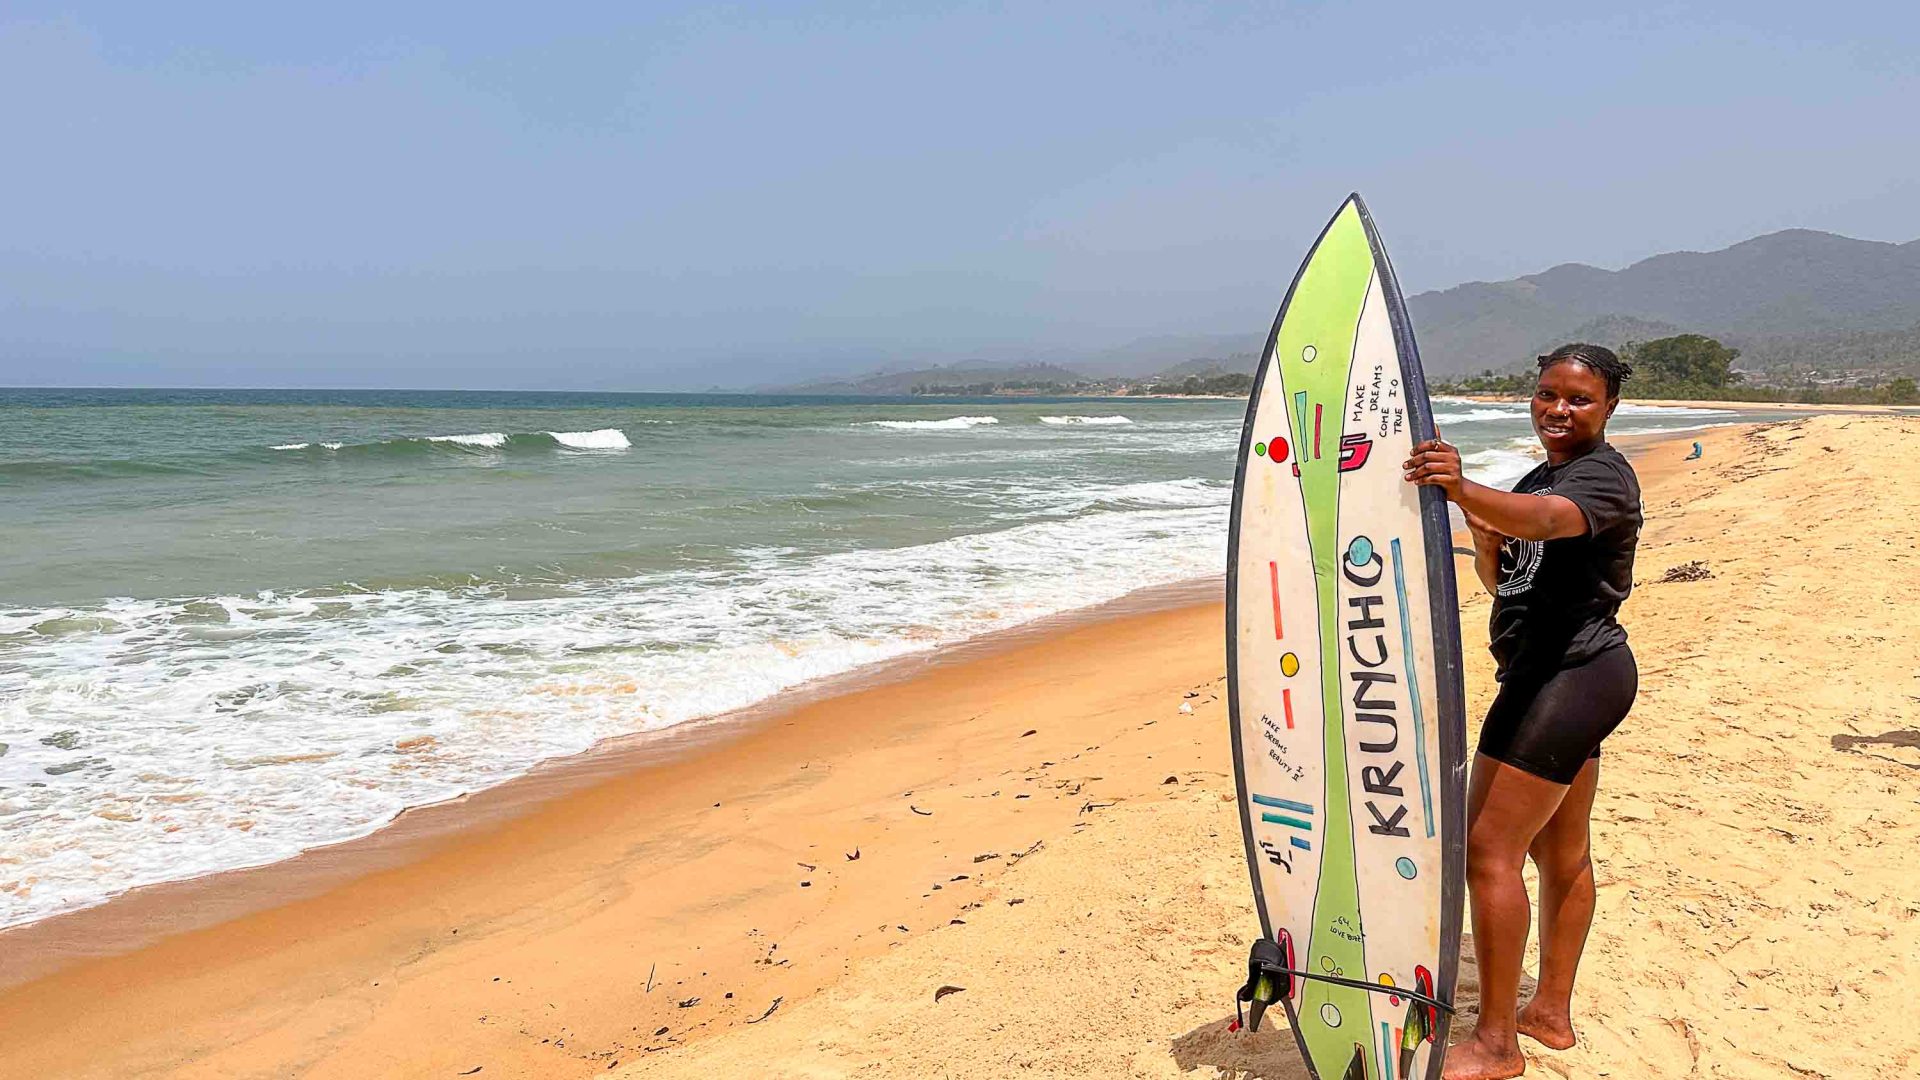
(1570, 409)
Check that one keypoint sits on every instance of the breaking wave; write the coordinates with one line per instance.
(952, 423)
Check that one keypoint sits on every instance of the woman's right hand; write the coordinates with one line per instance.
(1485, 536)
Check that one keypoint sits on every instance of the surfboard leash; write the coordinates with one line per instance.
(1269, 961)
(1378, 988)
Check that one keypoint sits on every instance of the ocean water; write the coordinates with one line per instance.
(238, 624)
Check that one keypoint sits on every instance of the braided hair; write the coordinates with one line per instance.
(1601, 360)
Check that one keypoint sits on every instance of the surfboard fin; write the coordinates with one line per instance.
(1422, 1019)
(1268, 981)
(1357, 1068)
(1412, 1035)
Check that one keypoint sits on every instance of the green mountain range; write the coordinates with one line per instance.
(1797, 297)
(1797, 301)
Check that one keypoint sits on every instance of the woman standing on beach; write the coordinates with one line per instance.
(1557, 554)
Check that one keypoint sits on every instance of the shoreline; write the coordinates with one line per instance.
(157, 909)
(1715, 403)
(691, 874)
(1061, 785)
(129, 920)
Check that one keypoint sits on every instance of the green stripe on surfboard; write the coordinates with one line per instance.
(1314, 349)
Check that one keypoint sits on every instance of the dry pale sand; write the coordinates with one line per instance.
(1757, 836)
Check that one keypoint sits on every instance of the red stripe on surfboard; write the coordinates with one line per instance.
(1316, 430)
(1273, 575)
(1286, 699)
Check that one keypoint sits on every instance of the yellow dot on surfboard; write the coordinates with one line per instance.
(1289, 665)
(1385, 979)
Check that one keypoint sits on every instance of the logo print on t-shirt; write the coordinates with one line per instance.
(1520, 561)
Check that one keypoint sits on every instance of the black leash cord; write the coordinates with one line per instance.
(1401, 991)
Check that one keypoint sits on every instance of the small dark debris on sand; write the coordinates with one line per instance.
(855, 856)
(1030, 731)
(1689, 571)
(917, 810)
(945, 990)
(987, 857)
(1170, 780)
(764, 1015)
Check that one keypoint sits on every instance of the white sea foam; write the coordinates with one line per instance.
(293, 446)
(1192, 492)
(1500, 466)
(488, 440)
(1470, 416)
(952, 423)
(1091, 420)
(1631, 408)
(603, 439)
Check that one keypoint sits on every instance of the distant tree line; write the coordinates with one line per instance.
(1233, 383)
(984, 389)
(1698, 367)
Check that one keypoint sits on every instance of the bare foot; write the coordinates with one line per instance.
(1550, 1028)
(1475, 1060)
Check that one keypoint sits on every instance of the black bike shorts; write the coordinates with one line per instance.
(1549, 726)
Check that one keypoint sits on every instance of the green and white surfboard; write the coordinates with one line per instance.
(1343, 666)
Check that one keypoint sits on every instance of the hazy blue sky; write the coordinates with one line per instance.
(635, 196)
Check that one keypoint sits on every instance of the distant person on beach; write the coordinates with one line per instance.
(1697, 450)
(1557, 554)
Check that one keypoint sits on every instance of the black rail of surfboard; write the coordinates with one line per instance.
(1378, 988)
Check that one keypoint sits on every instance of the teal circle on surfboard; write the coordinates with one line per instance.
(1350, 763)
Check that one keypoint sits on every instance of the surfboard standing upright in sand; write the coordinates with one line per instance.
(1343, 671)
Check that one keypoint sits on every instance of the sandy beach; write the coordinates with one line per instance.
(1047, 826)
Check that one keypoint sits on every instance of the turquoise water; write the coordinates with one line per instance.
(235, 625)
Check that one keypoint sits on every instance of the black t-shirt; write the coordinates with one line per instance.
(1557, 599)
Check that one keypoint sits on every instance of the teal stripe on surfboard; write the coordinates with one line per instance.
(1413, 688)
